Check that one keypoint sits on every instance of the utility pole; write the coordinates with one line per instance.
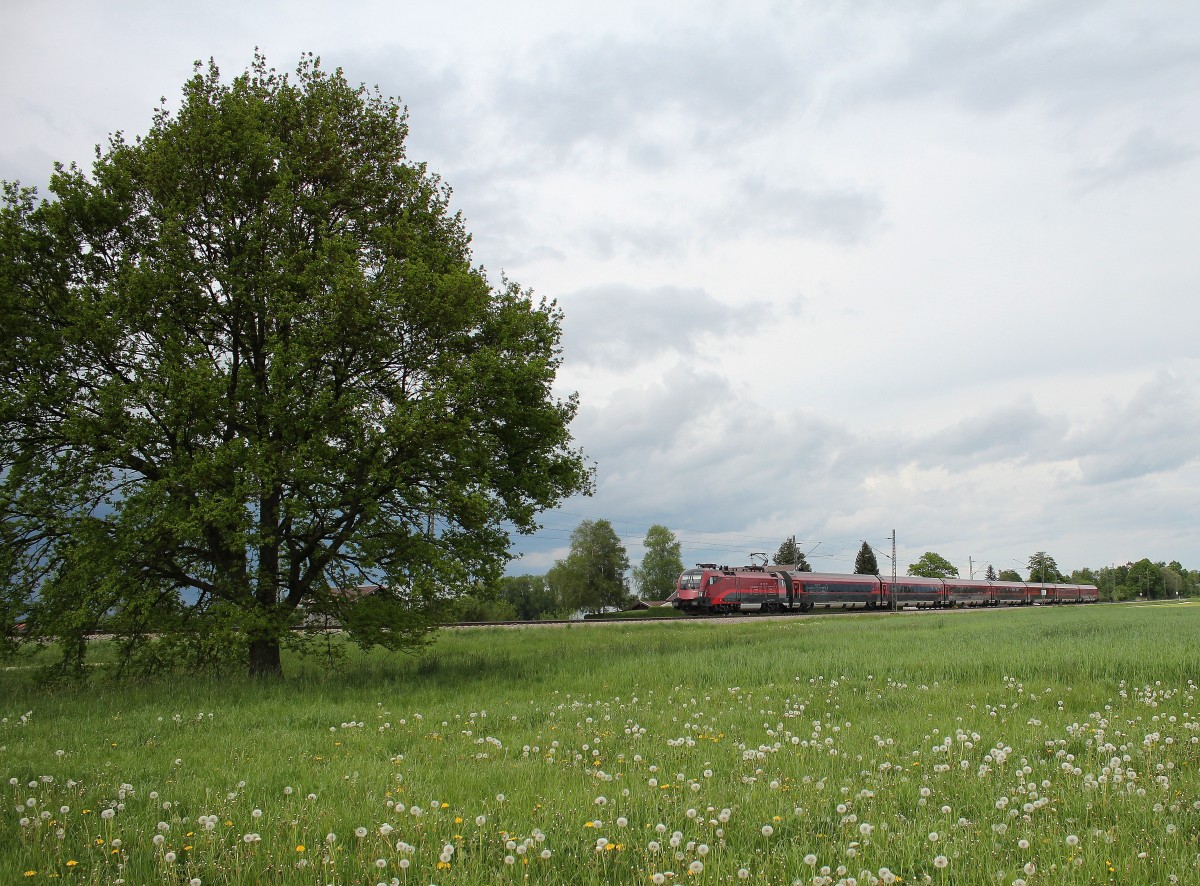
(971, 567)
(892, 602)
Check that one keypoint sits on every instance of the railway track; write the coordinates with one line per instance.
(728, 617)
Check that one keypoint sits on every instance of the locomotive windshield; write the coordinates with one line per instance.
(690, 580)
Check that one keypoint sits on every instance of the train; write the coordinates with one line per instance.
(710, 589)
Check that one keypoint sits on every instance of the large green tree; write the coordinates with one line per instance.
(789, 554)
(931, 565)
(1043, 569)
(661, 564)
(865, 563)
(592, 577)
(1146, 579)
(248, 363)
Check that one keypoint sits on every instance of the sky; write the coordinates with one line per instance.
(829, 270)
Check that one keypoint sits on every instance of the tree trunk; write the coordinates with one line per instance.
(264, 658)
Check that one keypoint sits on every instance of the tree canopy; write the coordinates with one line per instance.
(932, 565)
(1010, 575)
(1043, 569)
(1146, 579)
(661, 564)
(789, 554)
(592, 577)
(248, 370)
(530, 596)
(865, 563)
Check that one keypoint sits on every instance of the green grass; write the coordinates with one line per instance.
(878, 745)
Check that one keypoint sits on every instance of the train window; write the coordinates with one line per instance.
(690, 581)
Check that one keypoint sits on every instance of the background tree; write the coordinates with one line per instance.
(865, 563)
(1172, 582)
(1190, 578)
(1114, 583)
(531, 597)
(1084, 576)
(789, 554)
(1009, 575)
(1145, 579)
(932, 565)
(990, 575)
(1043, 569)
(483, 603)
(247, 363)
(661, 564)
(592, 577)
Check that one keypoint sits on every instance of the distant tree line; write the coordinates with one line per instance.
(1144, 579)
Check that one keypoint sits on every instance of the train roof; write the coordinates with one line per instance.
(824, 576)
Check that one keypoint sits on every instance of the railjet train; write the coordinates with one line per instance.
(717, 590)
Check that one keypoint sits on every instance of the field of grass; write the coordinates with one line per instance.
(1026, 746)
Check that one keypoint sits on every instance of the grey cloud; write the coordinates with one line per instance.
(1073, 56)
(623, 326)
(601, 90)
(752, 207)
(439, 102)
(1144, 152)
(842, 214)
(692, 449)
(678, 410)
(1017, 431)
(1156, 431)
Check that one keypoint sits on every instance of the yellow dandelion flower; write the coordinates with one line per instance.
(300, 847)
(31, 873)
(71, 862)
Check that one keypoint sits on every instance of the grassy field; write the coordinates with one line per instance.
(1027, 746)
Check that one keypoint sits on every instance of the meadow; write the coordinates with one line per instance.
(1055, 745)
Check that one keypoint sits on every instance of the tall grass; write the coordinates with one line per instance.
(820, 749)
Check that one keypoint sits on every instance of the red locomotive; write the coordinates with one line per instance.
(719, 590)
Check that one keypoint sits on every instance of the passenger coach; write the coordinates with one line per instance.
(720, 590)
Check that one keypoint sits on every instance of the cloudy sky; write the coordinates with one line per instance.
(828, 269)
